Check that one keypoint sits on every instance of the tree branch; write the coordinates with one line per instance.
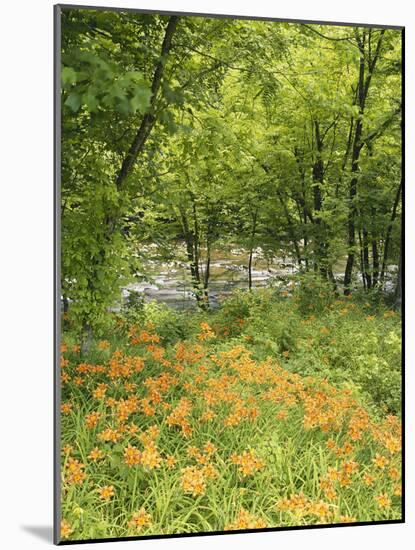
(148, 119)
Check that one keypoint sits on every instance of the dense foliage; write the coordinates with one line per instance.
(260, 417)
(279, 135)
(186, 137)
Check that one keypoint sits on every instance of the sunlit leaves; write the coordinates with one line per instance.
(233, 146)
(99, 85)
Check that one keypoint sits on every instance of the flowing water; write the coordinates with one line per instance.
(170, 282)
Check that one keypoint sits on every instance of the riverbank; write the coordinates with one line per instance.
(170, 282)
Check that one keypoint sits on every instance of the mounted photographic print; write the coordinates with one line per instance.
(229, 274)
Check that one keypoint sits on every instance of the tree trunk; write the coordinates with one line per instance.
(362, 265)
(362, 92)
(86, 338)
(109, 219)
(250, 270)
(207, 276)
(351, 239)
(389, 233)
(192, 257)
(291, 231)
(366, 264)
(148, 119)
(251, 248)
(398, 288)
(375, 260)
(321, 245)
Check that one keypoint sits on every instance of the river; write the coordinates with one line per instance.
(170, 282)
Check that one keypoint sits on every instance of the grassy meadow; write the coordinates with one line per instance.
(257, 415)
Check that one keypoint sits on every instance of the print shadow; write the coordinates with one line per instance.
(43, 532)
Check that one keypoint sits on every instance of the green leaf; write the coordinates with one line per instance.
(68, 77)
(90, 101)
(141, 99)
(73, 101)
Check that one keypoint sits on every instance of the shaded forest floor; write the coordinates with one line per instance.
(278, 409)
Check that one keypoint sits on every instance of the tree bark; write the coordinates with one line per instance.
(366, 264)
(398, 288)
(321, 244)
(291, 231)
(86, 338)
(137, 145)
(191, 256)
(389, 233)
(149, 118)
(375, 261)
(351, 240)
(362, 265)
(251, 248)
(362, 92)
(207, 269)
(200, 283)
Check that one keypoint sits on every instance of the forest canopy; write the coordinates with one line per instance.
(207, 131)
